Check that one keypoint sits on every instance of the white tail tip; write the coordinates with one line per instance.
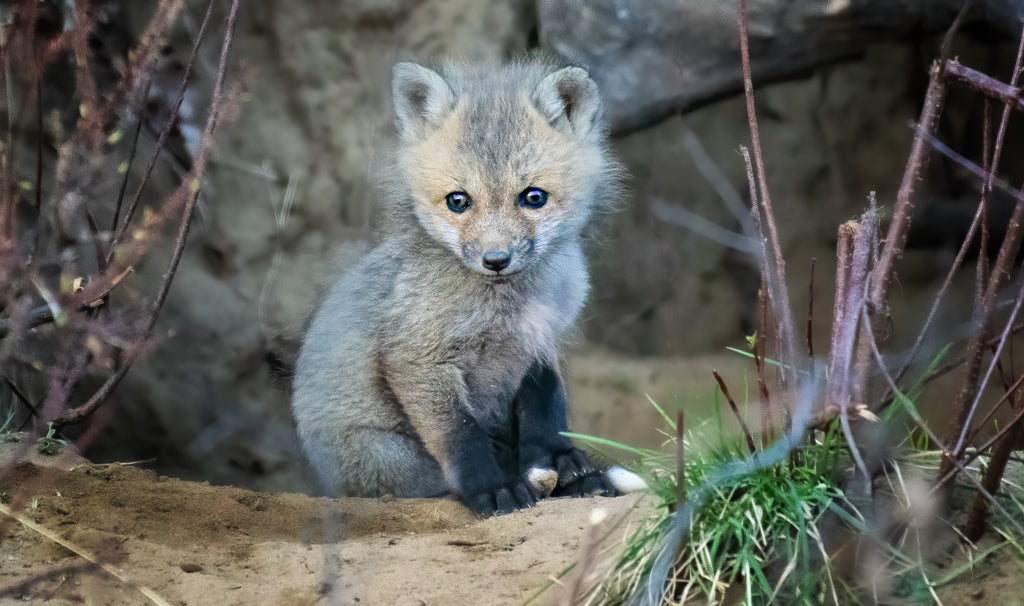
(625, 481)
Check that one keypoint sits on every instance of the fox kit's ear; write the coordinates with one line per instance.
(568, 98)
(422, 98)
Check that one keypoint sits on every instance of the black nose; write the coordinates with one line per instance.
(496, 260)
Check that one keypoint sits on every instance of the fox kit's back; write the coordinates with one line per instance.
(433, 365)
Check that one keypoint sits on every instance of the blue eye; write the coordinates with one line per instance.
(458, 201)
(533, 197)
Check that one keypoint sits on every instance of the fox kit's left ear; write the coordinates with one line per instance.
(568, 98)
(422, 98)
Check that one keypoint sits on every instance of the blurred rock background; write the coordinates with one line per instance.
(291, 196)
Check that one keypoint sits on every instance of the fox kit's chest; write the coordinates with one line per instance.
(532, 324)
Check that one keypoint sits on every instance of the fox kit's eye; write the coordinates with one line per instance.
(458, 201)
(533, 197)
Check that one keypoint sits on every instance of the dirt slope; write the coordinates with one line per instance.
(192, 543)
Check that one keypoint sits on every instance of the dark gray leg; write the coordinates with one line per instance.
(433, 397)
(542, 412)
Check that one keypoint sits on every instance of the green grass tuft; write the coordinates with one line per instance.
(759, 535)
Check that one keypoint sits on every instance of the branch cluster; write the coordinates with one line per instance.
(72, 318)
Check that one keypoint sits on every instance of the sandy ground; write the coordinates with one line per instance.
(190, 543)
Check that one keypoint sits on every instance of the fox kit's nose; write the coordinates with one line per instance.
(497, 260)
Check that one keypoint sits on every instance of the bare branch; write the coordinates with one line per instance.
(896, 237)
(781, 309)
(190, 184)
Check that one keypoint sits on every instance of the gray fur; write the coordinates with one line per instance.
(411, 367)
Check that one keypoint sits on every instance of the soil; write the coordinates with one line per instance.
(193, 543)
(163, 540)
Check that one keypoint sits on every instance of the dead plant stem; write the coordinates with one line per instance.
(169, 126)
(192, 184)
(778, 291)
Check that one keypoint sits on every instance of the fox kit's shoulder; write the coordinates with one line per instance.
(500, 164)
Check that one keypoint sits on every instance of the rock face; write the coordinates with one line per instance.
(661, 57)
(291, 197)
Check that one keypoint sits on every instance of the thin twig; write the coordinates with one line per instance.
(1000, 272)
(151, 595)
(954, 268)
(90, 130)
(718, 181)
(131, 160)
(1009, 94)
(810, 311)
(587, 560)
(736, 411)
(896, 238)
(44, 313)
(980, 450)
(33, 409)
(1006, 397)
(779, 292)
(39, 147)
(992, 479)
(935, 439)
(94, 231)
(760, 347)
(982, 172)
(947, 39)
(962, 440)
(191, 183)
(680, 458)
(169, 125)
(948, 367)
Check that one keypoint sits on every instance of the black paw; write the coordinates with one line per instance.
(578, 477)
(507, 498)
(572, 466)
(591, 485)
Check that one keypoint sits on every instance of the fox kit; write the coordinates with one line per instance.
(432, 367)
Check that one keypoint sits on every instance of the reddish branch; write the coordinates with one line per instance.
(810, 311)
(44, 313)
(760, 347)
(970, 391)
(776, 281)
(957, 465)
(1009, 94)
(736, 411)
(680, 458)
(896, 237)
(169, 126)
(189, 190)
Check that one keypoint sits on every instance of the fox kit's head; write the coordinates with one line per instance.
(503, 165)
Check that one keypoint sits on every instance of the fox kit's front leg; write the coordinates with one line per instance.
(435, 400)
(542, 413)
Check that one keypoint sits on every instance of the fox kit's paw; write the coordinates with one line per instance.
(572, 466)
(517, 494)
(593, 484)
(578, 477)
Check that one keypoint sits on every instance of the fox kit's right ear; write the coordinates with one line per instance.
(422, 98)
